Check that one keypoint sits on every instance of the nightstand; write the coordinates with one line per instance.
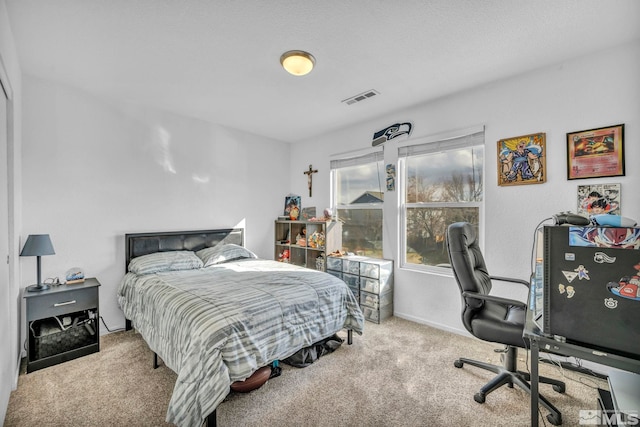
(62, 323)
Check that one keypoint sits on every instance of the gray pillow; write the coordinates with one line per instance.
(223, 253)
(165, 261)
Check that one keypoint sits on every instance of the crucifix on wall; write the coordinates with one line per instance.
(309, 177)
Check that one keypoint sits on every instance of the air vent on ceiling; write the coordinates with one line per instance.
(361, 97)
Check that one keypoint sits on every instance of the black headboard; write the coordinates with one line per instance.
(138, 244)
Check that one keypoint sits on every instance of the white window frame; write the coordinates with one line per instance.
(354, 158)
(455, 140)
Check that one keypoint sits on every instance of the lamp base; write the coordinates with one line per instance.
(38, 287)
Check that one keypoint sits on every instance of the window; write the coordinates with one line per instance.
(357, 200)
(442, 182)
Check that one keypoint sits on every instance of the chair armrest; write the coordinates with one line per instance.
(500, 300)
(510, 279)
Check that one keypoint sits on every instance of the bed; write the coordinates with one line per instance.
(215, 313)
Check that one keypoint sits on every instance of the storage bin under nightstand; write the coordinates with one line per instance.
(370, 280)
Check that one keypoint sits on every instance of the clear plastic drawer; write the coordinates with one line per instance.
(375, 301)
(350, 266)
(351, 280)
(377, 315)
(338, 274)
(370, 285)
(370, 270)
(334, 263)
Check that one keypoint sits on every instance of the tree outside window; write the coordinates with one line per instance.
(441, 187)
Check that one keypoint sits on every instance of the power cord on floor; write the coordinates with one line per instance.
(107, 328)
(576, 367)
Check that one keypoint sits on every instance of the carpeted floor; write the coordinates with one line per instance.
(398, 373)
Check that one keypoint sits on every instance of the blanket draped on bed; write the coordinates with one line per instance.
(216, 325)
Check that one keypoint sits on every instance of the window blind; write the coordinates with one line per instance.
(455, 143)
(376, 156)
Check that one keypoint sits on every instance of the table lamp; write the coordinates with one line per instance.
(38, 245)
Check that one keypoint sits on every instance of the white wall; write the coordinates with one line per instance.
(94, 169)
(10, 312)
(583, 93)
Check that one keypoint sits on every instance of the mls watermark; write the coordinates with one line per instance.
(609, 418)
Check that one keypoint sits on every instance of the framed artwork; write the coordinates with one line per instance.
(308, 213)
(391, 177)
(595, 153)
(598, 199)
(292, 207)
(522, 160)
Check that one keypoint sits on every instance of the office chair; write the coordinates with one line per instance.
(491, 318)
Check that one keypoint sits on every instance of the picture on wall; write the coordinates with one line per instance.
(598, 199)
(595, 153)
(522, 160)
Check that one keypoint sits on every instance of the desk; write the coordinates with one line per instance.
(539, 341)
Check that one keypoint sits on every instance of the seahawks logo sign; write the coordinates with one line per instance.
(391, 132)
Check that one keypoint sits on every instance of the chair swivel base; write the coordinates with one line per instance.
(511, 377)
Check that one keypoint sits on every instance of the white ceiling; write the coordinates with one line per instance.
(218, 60)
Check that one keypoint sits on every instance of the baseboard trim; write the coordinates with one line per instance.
(432, 324)
(17, 373)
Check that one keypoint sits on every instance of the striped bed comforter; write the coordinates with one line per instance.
(216, 325)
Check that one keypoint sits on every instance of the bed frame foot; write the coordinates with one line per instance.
(349, 336)
(127, 325)
(211, 420)
(155, 360)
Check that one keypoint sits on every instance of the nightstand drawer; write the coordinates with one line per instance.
(60, 303)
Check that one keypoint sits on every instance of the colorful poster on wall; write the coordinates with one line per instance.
(522, 160)
(596, 199)
(595, 153)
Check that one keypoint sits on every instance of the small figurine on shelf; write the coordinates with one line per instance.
(316, 240)
(301, 238)
(284, 256)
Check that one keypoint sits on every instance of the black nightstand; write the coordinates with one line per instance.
(62, 323)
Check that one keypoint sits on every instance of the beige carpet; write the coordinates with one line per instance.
(398, 373)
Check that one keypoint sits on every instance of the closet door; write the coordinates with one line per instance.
(5, 302)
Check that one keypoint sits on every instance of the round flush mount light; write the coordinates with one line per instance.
(297, 62)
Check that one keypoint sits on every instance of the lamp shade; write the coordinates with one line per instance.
(37, 245)
(297, 62)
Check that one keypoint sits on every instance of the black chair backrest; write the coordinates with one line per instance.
(468, 267)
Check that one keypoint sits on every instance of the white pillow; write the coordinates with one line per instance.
(165, 261)
(223, 253)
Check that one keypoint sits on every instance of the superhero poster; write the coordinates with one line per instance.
(522, 160)
(596, 153)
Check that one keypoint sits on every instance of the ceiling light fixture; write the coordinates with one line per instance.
(297, 62)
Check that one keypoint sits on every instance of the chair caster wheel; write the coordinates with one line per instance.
(479, 397)
(458, 364)
(559, 388)
(556, 421)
